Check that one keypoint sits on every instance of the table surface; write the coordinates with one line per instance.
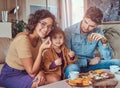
(63, 84)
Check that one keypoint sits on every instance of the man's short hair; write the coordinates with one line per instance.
(95, 14)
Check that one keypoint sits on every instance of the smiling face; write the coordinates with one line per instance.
(57, 40)
(87, 25)
(44, 27)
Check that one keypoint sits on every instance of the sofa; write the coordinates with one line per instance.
(112, 33)
(114, 40)
(4, 45)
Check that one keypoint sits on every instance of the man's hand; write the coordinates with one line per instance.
(94, 61)
(97, 37)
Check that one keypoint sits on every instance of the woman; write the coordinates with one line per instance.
(22, 68)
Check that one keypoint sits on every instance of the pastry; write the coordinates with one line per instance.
(78, 80)
(85, 83)
(99, 71)
(72, 83)
(89, 38)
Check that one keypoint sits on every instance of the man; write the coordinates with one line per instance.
(83, 38)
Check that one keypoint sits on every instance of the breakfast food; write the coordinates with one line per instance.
(78, 80)
(86, 83)
(89, 38)
(87, 79)
(99, 71)
(103, 40)
(72, 83)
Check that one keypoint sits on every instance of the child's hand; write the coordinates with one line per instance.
(71, 53)
(58, 61)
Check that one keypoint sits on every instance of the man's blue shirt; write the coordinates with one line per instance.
(83, 47)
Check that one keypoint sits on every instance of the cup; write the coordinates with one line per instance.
(4, 16)
(73, 75)
(114, 68)
(117, 75)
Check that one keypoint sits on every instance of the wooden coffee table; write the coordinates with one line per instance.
(63, 84)
(60, 84)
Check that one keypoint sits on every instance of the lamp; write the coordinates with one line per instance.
(15, 11)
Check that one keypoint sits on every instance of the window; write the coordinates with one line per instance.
(77, 10)
(72, 12)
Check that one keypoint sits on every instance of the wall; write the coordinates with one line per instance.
(9, 5)
(111, 25)
(5, 29)
(24, 5)
(27, 4)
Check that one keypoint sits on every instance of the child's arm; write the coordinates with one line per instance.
(53, 65)
(47, 61)
(70, 55)
(56, 63)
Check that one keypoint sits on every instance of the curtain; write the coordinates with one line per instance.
(65, 8)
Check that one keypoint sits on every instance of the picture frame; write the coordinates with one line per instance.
(52, 9)
(110, 9)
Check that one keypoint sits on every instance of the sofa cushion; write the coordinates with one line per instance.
(112, 33)
(114, 40)
(4, 45)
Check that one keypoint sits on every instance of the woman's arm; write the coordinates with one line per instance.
(33, 67)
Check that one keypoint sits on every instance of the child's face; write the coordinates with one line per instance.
(57, 40)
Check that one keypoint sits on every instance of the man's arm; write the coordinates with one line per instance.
(104, 49)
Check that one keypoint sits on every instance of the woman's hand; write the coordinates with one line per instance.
(40, 78)
(71, 53)
(46, 44)
(94, 61)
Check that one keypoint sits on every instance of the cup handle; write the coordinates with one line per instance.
(118, 69)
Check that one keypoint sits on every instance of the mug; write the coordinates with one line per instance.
(114, 68)
(117, 75)
(73, 75)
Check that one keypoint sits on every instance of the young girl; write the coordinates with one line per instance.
(56, 58)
